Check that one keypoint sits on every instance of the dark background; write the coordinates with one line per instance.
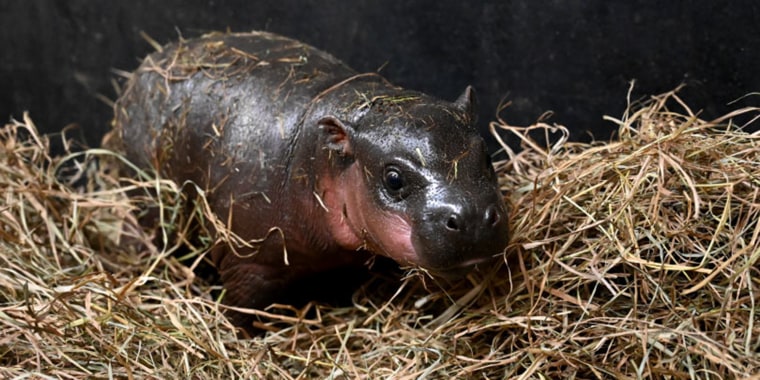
(575, 58)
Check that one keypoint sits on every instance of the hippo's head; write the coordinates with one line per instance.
(418, 183)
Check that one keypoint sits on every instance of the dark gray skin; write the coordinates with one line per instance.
(295, 150)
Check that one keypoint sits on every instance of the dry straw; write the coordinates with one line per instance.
(630, 259)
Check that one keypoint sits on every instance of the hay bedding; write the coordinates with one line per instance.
(630, 259)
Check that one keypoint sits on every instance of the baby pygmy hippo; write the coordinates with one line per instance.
(316, 164)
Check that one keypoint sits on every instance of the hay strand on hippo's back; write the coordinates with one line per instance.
(629, 259)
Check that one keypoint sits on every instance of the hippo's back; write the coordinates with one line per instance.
(221, 100)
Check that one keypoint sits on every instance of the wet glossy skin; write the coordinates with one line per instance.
(297, 151)
(434, 175)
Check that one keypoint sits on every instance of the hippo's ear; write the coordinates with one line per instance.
(337, 135)
(468, 103)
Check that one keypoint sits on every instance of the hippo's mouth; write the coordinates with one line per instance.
(460, 270)
(474, 262)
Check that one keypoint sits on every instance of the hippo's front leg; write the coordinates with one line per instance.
(249, 284)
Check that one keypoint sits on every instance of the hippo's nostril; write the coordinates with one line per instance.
(453, 223)
(492, 217)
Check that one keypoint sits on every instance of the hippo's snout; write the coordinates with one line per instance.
(453, 237)
(459, 222)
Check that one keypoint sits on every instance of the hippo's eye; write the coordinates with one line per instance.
(393, 179)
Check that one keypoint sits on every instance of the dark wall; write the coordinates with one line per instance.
(572, 57)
